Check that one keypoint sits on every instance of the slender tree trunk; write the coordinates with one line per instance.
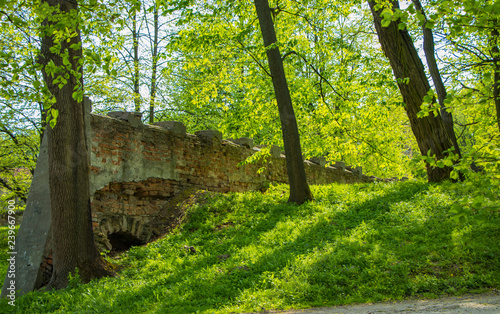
(154, 67)
(299, 189)
(43, 122)
(496, 76)
(73, 236)
(135, 40)
(436, 77)
(430, 133)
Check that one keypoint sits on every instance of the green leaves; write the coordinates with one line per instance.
(61, 80)
(54, 113)
(52, 117)
(430, 24)
(496, 6)
(213, 73)
(477, 201)
(387, 17)
(459, 213)
(405, 80)
(429, 105)
(78, 95)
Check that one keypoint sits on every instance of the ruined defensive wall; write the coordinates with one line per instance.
(137, 169)
(138, 175)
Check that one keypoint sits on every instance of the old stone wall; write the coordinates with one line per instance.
(141, 178)
(137, 169)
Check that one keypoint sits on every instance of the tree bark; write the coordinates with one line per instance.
(436, 78)
(299, 189)
(495, 51)
(135, 40)
(429, 131)
(154, 67)
(71, 219)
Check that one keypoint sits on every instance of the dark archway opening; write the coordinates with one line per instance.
(122, 241)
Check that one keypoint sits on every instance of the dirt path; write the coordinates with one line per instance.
(471, 303)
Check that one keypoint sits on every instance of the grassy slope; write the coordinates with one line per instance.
(4, 233)
(354, 243)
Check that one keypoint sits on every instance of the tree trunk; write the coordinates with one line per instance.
(43, 121)
(495, 51)
(154, 67)
(436, 78)
(135, 40)
(430, 133)
(299, 189)
(73, 236)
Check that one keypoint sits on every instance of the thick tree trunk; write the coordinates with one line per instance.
(436, 78)
(430, 133)
(299, 189)
(73, 236)
(154, 67)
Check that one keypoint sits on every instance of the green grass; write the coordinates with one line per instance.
(354, 243)
(4, 243)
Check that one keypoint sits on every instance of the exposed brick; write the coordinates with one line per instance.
(195, 163)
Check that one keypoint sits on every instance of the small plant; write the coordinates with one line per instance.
(74, 280)
(479, 200)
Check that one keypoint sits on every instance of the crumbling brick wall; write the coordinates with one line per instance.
(136, 169)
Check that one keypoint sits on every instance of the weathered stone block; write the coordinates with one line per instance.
(134, 118)
(33, 236)
(319, 160)
(209, 135)
(244, 141)
(87, 105)
(340, 165)
(275, 151)
(173, 126)
(358, 171)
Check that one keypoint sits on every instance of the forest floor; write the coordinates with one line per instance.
(471, 303)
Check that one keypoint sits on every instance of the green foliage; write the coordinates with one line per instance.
(18, 154)
(4, 244)
(465, 44)
(74, 280)
(354, 243)
(478, 200)
(213, 73)
(346, 103)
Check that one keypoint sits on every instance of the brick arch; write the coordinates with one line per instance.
(122, 241)
(118, 233)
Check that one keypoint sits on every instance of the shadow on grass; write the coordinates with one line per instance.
(238, 275)
(255, 252)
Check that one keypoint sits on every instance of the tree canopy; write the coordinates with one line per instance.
(210, 71)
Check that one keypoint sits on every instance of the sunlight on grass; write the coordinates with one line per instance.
(255, 252)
